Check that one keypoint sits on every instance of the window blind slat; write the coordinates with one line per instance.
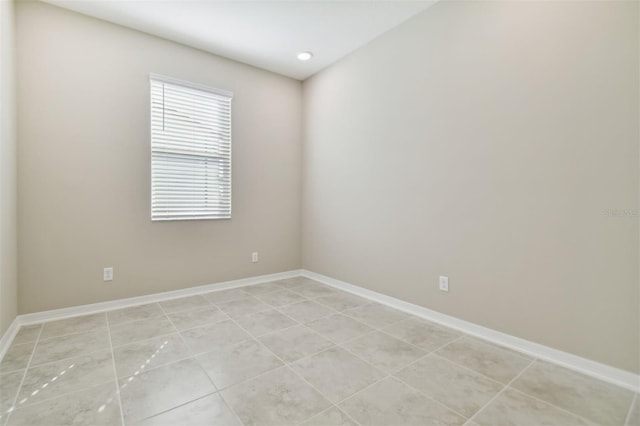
(190, 152)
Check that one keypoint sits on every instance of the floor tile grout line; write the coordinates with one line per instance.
(178, 406)
(233, 411)
(119, 324)
(434, 351)
(373, 330)
(464, 367)
(287, 366)
(633, 402)
(385, 374)
(422, 357)
(215, 387)
(194, 355)
(409, 317)
(590, 422)
(514, 352)
(111, 349)
(115, 372)
(392, 375)
(506, 386)
(42, 338)
(460, 336)
(93, 352)
(24, 376)
(337, 408)
(382, 330)
(47, 399)
(125, 376)
(184, 308)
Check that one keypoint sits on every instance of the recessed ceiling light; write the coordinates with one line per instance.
(305, 56)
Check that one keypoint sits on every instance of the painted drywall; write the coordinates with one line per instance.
(8, 198)
(495, 143)
(84, 166)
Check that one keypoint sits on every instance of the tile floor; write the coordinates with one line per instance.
(287, 352)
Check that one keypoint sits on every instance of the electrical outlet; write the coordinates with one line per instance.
(254, 257)
(108, 274)
(444, 283)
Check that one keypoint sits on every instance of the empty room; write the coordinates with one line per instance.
(319, 212)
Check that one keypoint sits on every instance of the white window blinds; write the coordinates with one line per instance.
(190, 151)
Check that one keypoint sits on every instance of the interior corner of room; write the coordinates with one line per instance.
(495, 144)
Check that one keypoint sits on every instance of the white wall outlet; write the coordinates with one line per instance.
(444, 283)
(108, 274)
(254, 257)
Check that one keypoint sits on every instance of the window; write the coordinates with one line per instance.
(190, 151)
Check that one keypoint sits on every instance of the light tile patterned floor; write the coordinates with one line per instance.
(287, 352)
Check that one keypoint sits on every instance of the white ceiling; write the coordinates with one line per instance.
(263, 33)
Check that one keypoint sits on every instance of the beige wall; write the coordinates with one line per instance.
(485, 141)
(84, 161)
(8, 200)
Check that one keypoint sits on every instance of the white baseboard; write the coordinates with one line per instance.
(8, 336)
(595, 369)
(93, 308)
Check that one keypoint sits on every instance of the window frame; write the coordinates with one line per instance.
(155, 214)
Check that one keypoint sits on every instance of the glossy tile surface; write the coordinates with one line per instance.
(134, 313)
(184, 303)
(233, 364)
(27, 334)
(263, 288)
(265, 322)
(306, 311)
(50, 380)
(459, 388)
(295, 343)
(210, 410)
(280, 353)
(342, 301)
(279, 397)
(337, 373)
(9, 385)
(376, 315)
(211, 337)
(17, 357)
(162, 389)
(593, 399)
(94, 406)
(391, 402)
(70, 346)
(281, 298)
(83, 324)
(151, 353)
(493, 361)
(424, 334)
(515, 408)
(330, 417)
(192, 318)
(339, 328)
(313, 290)
(241, 307)
(141, 330)
(384, 352)
(225, 295)
(292, 283)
